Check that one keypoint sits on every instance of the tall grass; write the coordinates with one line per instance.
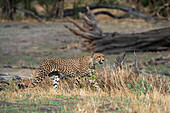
(114, 90)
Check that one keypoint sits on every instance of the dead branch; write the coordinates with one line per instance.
(112, 15)
(119, 63)
(158, 61)
(108, 43)
(76, 32)
(162, 8)
(136, 65)
(29, 13)
(75, 23)
(129, 11)
(19, 67)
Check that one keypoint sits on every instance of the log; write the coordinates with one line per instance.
(158, 60)
(128, 10)
(153, 40)
(108, 43)
(18, 67)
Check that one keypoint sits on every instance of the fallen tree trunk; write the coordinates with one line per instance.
(153, 40)
(129, 11)
(108, 43)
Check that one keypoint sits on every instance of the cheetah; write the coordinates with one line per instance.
(57, 68)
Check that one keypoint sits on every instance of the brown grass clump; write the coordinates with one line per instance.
(114, 90)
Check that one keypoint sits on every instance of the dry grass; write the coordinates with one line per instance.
(119, 90)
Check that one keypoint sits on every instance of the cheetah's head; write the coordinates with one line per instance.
(98, 58)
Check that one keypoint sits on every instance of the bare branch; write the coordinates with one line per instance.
(108, 43)
(75, 23)
(84, 35)
(136, 64)
(30, 13)
(19, 67)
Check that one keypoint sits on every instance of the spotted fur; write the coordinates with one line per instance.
(56, 68)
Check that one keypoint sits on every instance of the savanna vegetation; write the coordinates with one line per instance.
(113, 90)
(138, 82)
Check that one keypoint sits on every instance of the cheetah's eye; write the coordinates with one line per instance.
(99, 56)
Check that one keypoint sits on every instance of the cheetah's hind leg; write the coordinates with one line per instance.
(55, 77)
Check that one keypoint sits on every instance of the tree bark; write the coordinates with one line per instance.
(60, 9)
(8, 9)
(108, 43)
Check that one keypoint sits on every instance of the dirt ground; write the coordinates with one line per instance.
(28, 44)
